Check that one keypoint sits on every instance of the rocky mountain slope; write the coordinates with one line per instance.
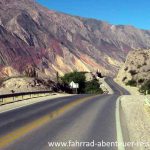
(50, 41)
(136, 67)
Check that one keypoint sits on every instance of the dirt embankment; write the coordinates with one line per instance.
(24, 84)
(132, 90)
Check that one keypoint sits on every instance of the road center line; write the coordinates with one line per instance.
(20, 132)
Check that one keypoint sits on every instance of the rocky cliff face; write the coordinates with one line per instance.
(136, 67)
(50, 41)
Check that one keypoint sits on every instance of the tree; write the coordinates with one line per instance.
(93, 87)
(77, 77)
(89, 87)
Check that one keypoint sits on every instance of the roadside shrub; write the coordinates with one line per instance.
(133, 72)
(145, 88)
(139, 66)
(145, 64)
(124, 79)
(93, 87)
(77, 77)
(126, 69)
(132, 83)
(99, 74)
(140, 81)
(85, 87)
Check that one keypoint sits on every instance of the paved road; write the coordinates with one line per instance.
(80, 118)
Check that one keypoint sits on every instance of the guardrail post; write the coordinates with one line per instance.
(13, 98)
(20, 96)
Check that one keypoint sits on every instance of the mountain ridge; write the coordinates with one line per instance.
(55, 42)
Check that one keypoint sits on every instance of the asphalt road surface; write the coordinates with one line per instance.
(78, 122)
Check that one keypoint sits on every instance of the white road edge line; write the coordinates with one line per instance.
(118, 126)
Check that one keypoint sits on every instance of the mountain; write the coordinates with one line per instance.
(31, 35)
(136, 67)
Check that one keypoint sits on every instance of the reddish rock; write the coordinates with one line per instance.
(31, 34)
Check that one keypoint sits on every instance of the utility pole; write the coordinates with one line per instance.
(57, 77)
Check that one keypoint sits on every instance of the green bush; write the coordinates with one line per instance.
(77, 77)
(140, 81)
(131, 83)
(90, 87)
(93, 87)
(133, 72)
(145, 87)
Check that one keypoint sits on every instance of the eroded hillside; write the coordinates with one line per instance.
(136, 67)
(50, 41)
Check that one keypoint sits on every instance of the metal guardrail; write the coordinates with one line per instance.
(15, 97)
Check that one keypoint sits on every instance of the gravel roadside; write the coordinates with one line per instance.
(136, 115)
(137, 118)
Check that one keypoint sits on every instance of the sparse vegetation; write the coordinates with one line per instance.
(132, 83)
(99, 74)
(145, 88)
(77, 77)
(93, 87)
(139, 66)
(126, 69)
(124, 79)
(133, 72)
(140, 81)
(90, 87)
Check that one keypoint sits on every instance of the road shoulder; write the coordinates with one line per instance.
(120, 138)
(137, 117)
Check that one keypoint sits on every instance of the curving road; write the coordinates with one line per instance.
(69, 120)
